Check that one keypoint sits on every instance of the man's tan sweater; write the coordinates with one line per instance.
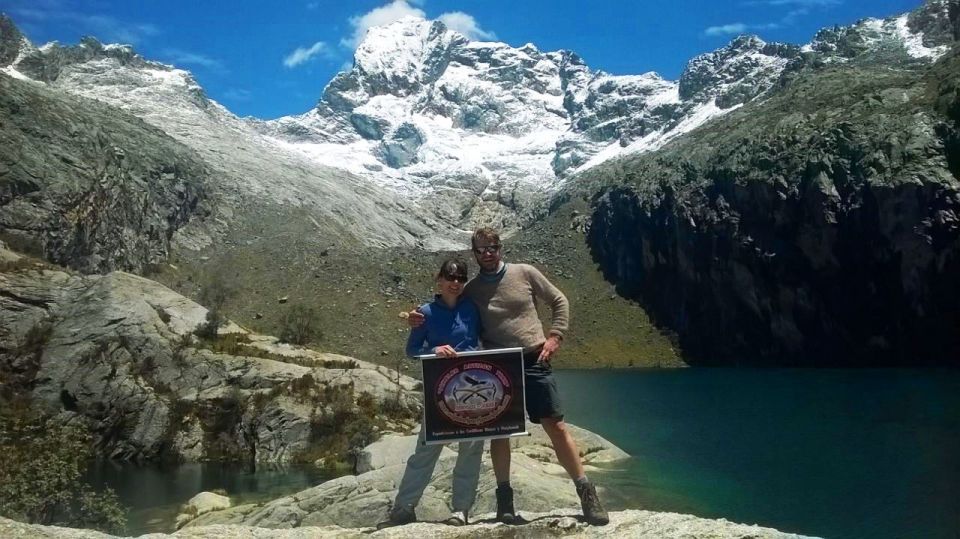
(508, 307)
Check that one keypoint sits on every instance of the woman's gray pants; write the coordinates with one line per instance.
(420, 465)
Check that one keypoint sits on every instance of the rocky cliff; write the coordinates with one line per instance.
(117, 353)
(89, 187)
(820, 227)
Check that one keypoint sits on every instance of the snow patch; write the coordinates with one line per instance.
(11, 71)
(700, 115)
(913, 42)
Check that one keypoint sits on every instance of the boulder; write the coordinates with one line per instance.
(201, 504)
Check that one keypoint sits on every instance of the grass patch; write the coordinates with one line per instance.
(357, 292)
(239, 344)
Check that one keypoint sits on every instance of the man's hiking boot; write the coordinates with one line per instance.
(593, 510)
(398, 517)
(505, 512)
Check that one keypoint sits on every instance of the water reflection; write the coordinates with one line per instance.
(154, 493)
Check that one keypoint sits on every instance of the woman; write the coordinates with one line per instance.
(451, 325)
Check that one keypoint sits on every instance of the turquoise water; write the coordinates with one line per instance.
(828, 452)
(832, 453)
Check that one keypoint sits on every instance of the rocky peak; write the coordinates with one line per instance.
(937, 21)
(397, 59)
(48, 62)
(926, 33)
(736, 73)
(11, 41)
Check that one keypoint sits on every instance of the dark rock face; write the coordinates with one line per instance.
(734, 74)
(935, 19)
(401, 149)
(89, 186)
(46, 65)
(10, 41)
(820, 228)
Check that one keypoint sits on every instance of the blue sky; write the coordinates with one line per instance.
(269, 59)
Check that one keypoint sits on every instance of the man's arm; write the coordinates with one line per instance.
(544, 290)
(417, 338)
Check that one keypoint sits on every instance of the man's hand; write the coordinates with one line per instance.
(415, 318)
(445, 351)
(550, 347)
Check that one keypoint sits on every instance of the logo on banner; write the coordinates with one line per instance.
(473, 393)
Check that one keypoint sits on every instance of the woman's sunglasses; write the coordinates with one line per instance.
(458, 278)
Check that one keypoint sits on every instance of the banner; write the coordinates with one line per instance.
(477, 396)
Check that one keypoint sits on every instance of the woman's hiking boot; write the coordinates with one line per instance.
(398, 516)
(458, 518)
(593, 510)
(505, 512)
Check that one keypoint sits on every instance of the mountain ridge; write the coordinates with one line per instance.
(279, 222)
(470, 132)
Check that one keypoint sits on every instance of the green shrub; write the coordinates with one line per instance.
(36, 338)
(215, 293)
(208, 329)
(336, 364)
(298, 325)
(41, 464)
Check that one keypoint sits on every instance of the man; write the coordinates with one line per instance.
(506, 296)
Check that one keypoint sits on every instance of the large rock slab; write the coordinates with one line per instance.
(631, 523)
(539, 482)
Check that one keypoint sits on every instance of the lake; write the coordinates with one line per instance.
(835, 453)
(154, 493)
(829, 452)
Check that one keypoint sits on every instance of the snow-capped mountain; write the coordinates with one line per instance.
(430, 133)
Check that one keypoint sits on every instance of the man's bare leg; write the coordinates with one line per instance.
(564, 446)
(569, 457)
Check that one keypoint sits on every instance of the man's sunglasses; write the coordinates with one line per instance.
(489, 249)
(458, 278)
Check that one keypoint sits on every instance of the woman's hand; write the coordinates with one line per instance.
(445, 351)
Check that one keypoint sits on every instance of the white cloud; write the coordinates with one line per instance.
(181, 57)
(105, 28)
(237, 94)
(380, 16)
(726, 29)
(466, 25)
(305, 54)
(804, 3)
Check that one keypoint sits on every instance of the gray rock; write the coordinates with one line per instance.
(541, 484)
(200, 504)
(69, 195)
(558, 523)
(106, 357)
(400, 149)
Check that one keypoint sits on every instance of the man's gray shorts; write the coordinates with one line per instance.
(543, 399)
